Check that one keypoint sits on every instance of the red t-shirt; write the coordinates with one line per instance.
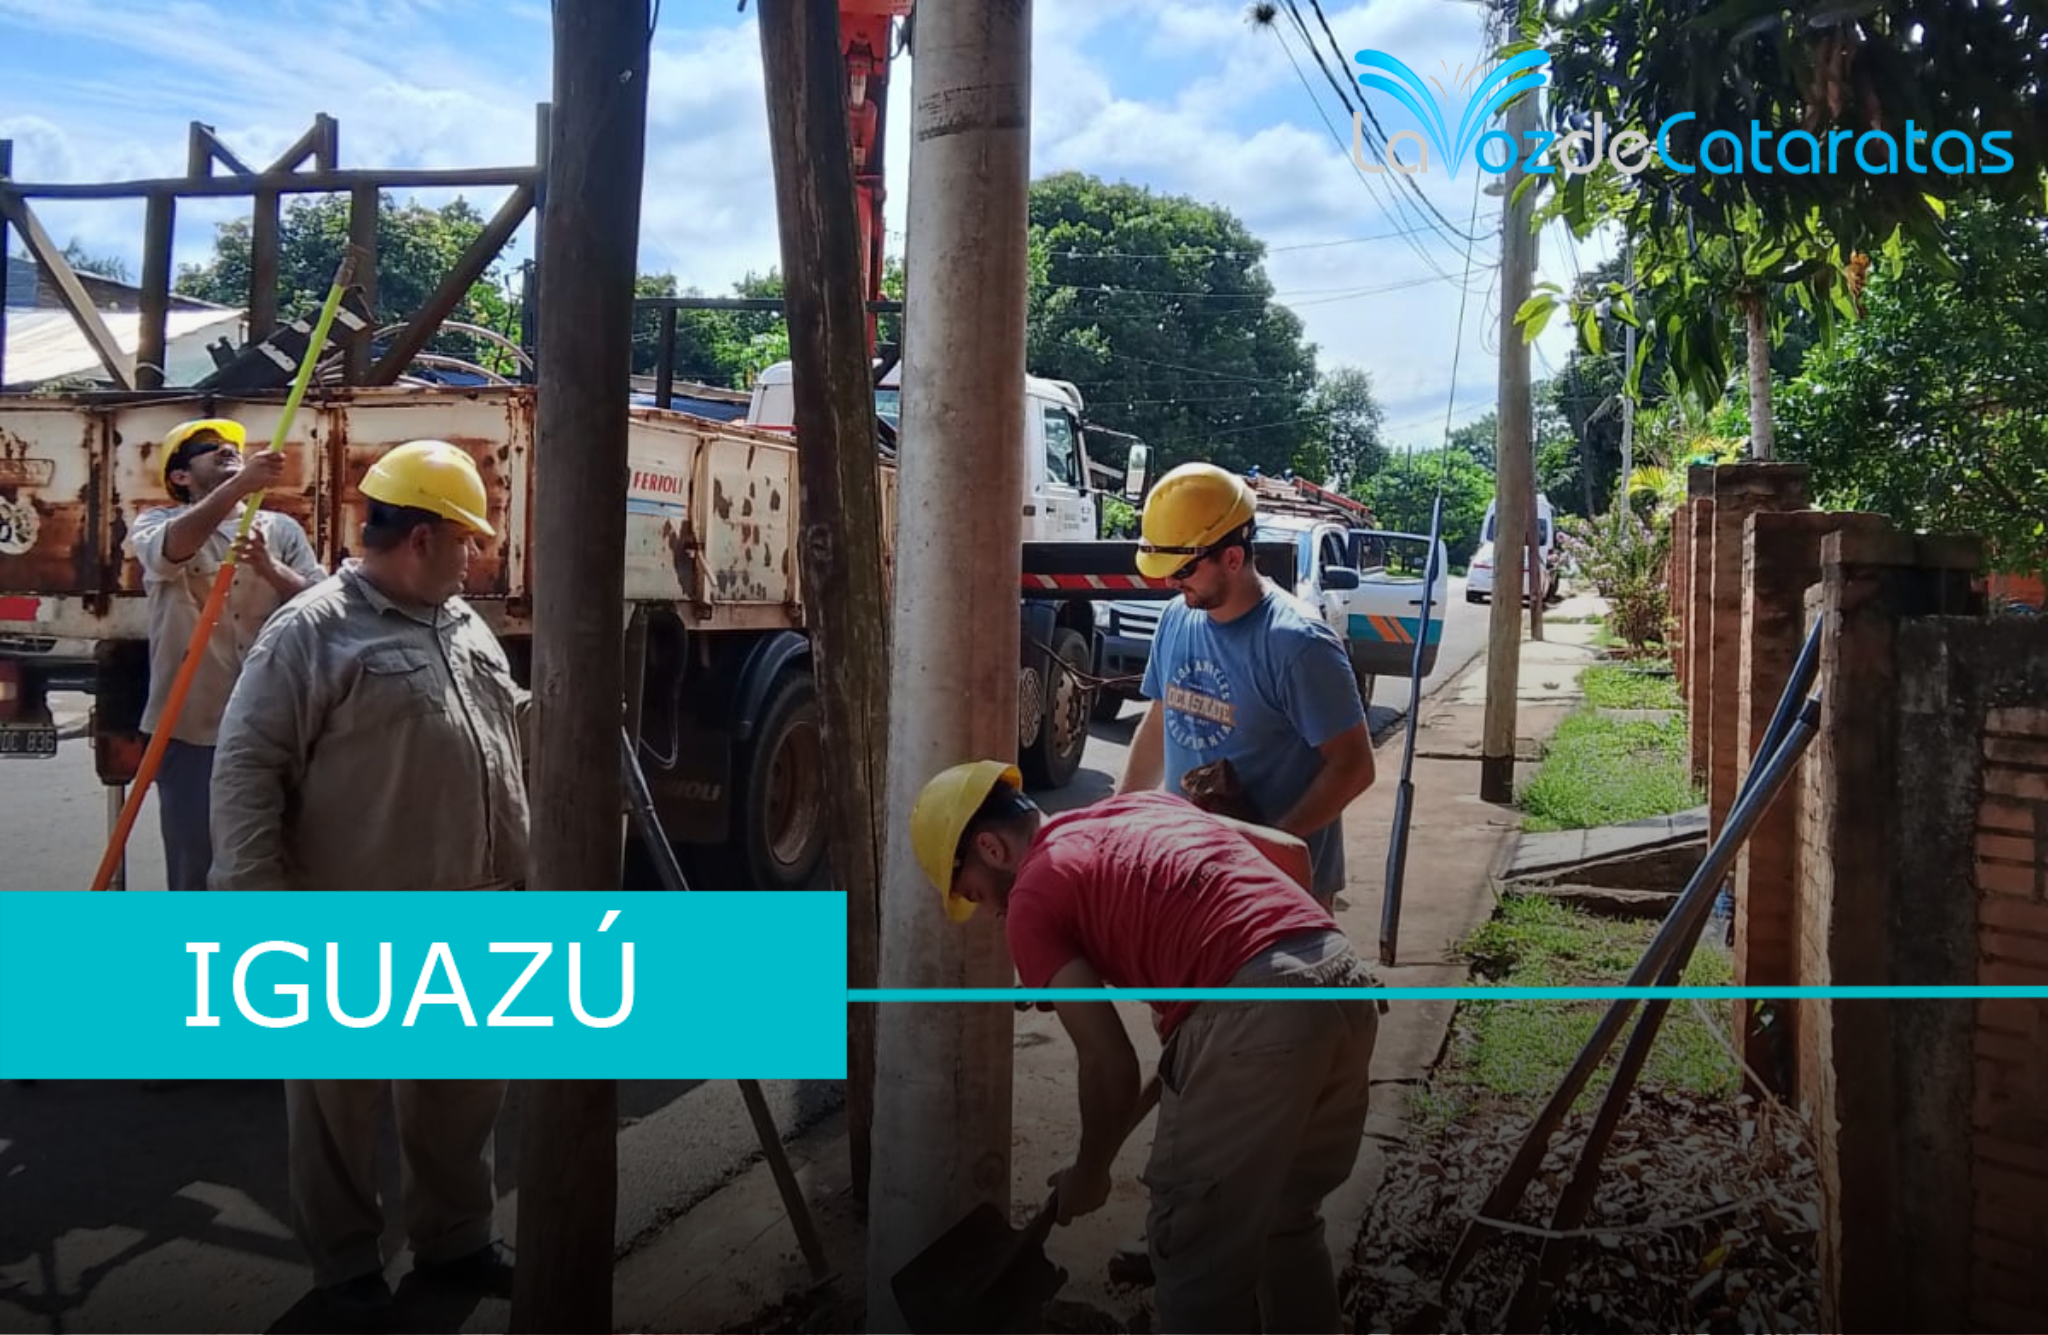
(1153, 893)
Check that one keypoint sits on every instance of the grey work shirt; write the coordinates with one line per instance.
(178, 590)
(372, 745)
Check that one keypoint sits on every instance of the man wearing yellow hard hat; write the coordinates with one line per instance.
(1252, 693)
(1262, 1103)
(376, 742)
(180, 548)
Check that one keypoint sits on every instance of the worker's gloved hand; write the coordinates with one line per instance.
(1079, 1193)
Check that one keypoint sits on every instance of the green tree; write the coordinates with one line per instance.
(1403, 494)
(1820, 66)
(416, 248)
(1159, 308)
(85, 261)
(1346, 442)
(1933, 408)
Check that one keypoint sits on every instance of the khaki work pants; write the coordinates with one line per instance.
(445, 1169)
(1262, 1109)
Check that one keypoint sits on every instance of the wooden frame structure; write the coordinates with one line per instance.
(320, 145)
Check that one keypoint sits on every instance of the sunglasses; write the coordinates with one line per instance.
(188, 455)
(1197, 555)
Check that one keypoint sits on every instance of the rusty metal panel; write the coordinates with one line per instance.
(664, 550)
(48, 539)
(746, 502)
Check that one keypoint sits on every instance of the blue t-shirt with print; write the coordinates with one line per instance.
(1263, 691)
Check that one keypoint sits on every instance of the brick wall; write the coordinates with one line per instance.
(1677, 579)
(2009, 1158)
(1699, 635)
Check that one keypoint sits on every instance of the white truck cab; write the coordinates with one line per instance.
(1058, 501)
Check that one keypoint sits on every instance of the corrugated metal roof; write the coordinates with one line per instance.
(45, 345)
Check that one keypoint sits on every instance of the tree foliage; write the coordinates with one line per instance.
(1159, 308)
(1346, 440)
(1403, 494)
(1933, 408)
(1817, 66)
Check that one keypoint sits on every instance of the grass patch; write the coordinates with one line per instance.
(1602, 771)
(1520, 1050)
(1619, 686)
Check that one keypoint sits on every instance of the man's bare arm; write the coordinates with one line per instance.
(1145, 766)
(1108, 1071)
(186, 534)
(1347, 771)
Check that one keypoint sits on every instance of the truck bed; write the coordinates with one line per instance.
(710, 506)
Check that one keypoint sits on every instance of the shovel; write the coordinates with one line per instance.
(982, 1275)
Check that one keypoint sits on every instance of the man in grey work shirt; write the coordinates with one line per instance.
(181, 549)
(375, 741)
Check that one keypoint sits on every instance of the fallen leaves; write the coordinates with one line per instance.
(1648, 1262)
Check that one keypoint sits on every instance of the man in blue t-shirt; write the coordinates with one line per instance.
(1244, 672)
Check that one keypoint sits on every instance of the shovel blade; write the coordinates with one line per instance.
(981, 1276)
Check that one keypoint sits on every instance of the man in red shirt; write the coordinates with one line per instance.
(1262, 1103)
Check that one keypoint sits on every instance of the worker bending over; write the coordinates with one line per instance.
(1262, 1103)
(1255, 708)
(375, 741)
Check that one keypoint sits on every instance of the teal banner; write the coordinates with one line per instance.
(702, 986)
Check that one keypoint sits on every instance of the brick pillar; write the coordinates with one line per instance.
(1676, 579)
(1972, 907)
(1875, 1063)
(1781, 561)
(1740, 490)
(1699, 639)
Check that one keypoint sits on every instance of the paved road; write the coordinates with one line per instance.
(114, 1199)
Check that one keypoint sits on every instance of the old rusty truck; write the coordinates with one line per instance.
(728, 709)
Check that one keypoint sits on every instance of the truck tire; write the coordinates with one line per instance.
(1054, 755)
(1106, 706)
(778, 841)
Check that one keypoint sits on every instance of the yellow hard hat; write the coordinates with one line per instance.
(435, 476)
(943, 809)
(230, 431)
(1190, 510)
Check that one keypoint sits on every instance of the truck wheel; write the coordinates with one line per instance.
(1107, 706)
(1054, 755)
(780, 840)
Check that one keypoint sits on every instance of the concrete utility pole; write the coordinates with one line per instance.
(942, 1096)
(1628, 362)
(1515, 483)
(839, 500)
(568, 1154)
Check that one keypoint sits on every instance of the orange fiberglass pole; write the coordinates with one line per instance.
(145, 774)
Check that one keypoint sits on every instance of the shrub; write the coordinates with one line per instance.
(1625, 559)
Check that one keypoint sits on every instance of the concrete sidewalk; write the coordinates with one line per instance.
(733, 1263)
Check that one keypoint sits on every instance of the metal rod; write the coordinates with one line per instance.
(1681, 928)
(1404, 791)
(1531, 1299)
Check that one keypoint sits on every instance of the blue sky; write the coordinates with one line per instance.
(1185, 98)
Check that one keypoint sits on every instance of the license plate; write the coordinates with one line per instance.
(33, 742)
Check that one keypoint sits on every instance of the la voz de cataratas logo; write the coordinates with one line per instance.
(1795, 152)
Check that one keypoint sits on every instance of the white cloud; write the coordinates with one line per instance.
(454, 83)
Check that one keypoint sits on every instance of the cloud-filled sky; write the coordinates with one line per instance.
(1185, 98)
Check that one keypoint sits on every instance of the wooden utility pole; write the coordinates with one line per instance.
(1515, 484)
(568, 1154)
(943, 1072)
(839, 497)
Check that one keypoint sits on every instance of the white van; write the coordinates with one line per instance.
(1479, 577)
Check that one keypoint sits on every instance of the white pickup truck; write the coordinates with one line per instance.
(1340, 569)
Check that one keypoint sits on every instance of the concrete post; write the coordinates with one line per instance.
(1740, 490)
(1781, 560)
(1864, 1069)
(1514, 511)
(942, 1098)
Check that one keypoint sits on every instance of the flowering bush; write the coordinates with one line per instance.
(1624, 557)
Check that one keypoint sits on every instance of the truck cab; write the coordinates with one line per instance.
(1059, 502)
